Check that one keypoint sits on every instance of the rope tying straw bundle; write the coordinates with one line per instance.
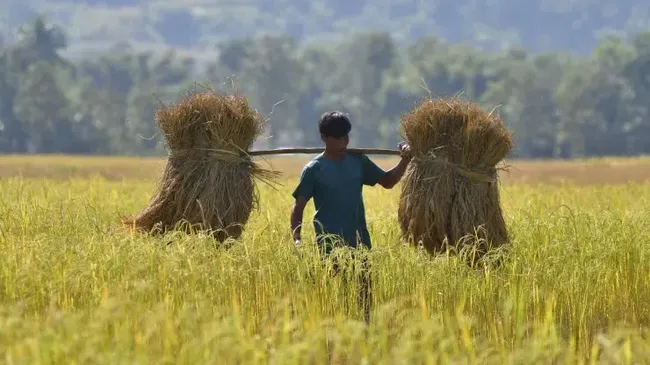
(479, 175)
(221, 155)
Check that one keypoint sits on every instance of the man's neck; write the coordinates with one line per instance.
(331, 156)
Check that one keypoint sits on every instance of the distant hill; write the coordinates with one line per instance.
(196, 25)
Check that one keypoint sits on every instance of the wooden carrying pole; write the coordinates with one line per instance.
(288, 151)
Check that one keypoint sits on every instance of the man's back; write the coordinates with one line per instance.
(336, 187)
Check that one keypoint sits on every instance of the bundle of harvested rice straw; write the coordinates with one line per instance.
(450, 193)
(209, 182)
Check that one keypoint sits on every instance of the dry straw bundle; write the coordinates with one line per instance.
(450, 193)
(208, 182)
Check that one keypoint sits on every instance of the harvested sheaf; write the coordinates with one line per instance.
(450, 195)
(209, 181)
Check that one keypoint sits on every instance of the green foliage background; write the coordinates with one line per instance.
(570, 79)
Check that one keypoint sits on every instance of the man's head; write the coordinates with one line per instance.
(334, 128)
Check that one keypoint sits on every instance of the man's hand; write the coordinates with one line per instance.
(296, 218)
(394, 175)
(404, 151)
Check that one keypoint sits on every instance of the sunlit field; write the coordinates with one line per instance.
(75, 287)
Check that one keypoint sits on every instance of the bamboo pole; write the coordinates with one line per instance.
(288, 151)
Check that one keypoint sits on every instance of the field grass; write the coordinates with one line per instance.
(76, 288)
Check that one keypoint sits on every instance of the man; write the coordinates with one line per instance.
(335, 180)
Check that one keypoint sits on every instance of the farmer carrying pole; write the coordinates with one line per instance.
(335, 180)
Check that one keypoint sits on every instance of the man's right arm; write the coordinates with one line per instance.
(296, 218)
(304, 191)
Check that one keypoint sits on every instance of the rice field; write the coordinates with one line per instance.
(76, 288)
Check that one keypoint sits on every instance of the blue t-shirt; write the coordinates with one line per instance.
(336, 187)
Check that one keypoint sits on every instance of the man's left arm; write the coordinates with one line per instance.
(394, 175)
(373, 174)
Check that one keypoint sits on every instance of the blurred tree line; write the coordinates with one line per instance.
(558, 105)
(538, 25)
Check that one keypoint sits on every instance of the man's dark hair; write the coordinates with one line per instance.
(334, 124)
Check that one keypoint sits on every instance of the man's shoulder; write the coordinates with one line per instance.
(314, 163)
(357, 157)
